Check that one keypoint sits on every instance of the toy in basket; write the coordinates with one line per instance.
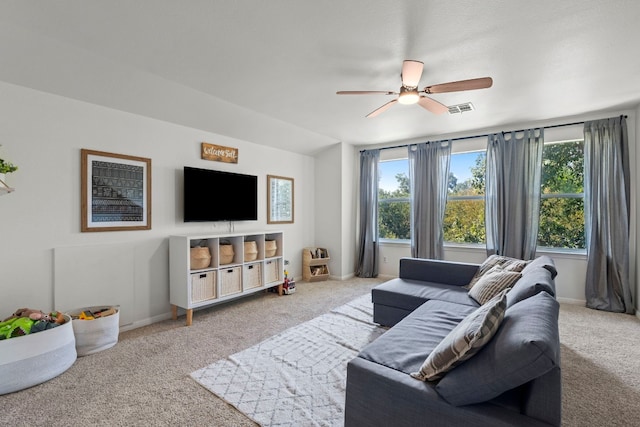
(289, 285)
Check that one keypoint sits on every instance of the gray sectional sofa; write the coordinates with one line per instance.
(513, 380)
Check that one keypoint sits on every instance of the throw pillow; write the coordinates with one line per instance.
(507, 263)
(492, 282)
(465, 340)
(526, 346)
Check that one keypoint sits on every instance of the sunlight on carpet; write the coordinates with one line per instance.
(297, 377)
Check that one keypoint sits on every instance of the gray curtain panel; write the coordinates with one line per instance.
(606, 181)
(512, 210)
(368, 218)
(429, 178)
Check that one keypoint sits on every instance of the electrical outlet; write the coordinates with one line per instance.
(384, 259)
(286, 262)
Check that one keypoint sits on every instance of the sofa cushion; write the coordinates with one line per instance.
(465, 340)
(492, 283)
(533, 281)
(410, 294)
(507, 263)
(405, 346)
(543, 261)
(525, 347)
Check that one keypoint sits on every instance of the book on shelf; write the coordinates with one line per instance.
(319, 253)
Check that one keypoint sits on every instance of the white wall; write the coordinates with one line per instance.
(328, 206)
(43, 135)
(349, 203)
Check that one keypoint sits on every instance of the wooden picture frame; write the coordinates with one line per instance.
(115, 192)
(280, 207)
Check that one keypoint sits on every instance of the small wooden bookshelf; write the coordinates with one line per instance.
(315, 264)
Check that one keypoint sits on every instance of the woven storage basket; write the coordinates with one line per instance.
(226, 253)
(270, 248)
(252, 275)
(250, 251)
(230, 281)
(35, 358)
(271, 271)
(96, 335)
(200, 258)
(203, 286)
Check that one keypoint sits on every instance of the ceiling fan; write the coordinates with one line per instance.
(409, 93)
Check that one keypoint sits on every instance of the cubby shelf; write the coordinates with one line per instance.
(315, 267)
(239, 264)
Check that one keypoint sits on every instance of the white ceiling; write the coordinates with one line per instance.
(268, 71)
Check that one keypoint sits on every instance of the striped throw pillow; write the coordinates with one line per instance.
(465, 340)
(507, 263)
(492, 283)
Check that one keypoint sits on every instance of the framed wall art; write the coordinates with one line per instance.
(116, 192)
(279, 200)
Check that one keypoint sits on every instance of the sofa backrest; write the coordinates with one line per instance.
(438, 271)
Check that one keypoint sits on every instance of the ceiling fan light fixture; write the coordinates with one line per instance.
(408, 96)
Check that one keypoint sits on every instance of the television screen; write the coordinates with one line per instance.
(211, 195)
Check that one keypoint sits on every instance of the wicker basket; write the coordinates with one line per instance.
(250, 251)
(230, 281)
(270, 248)
(203, 286)
(272, 271)
(252, 275)
(226, 253)
(200, 258)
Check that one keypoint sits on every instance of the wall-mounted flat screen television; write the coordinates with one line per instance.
(211, 195)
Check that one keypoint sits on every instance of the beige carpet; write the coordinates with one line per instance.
(145, 379)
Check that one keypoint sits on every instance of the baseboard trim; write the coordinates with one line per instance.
(145, 322)
(571, 301)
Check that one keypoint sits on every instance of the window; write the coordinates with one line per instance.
(394, 215)
(562, 200)
(464, 214)
(561, 206)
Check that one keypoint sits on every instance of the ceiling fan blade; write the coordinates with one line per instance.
(365, 92)
(381, 109)
(432, 105)
(411, 73)
(471, 84)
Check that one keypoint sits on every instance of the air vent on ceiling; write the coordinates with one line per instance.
(460, 108)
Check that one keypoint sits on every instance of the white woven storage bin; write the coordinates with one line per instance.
(35, 358)
(96, 335)
(203, 286)
(272, 271)
(230, 280)
(252, 275)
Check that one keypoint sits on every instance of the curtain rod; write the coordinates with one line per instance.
(486, 135)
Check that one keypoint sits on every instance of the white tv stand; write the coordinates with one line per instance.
(218, 282)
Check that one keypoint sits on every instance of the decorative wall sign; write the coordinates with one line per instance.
(116, 192)
(218, 153)
(279, 200)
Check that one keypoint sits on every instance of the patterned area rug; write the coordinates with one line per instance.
(298, 377)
